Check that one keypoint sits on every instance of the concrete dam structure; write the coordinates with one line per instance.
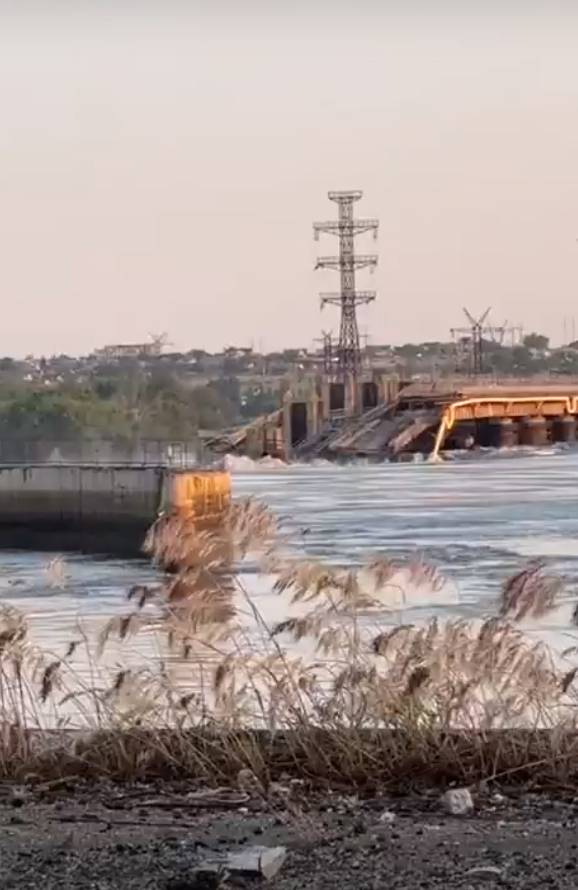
(101, 508)
(401, 419)
(431, 418)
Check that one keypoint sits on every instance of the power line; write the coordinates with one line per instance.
(326, 341)
(346, 227)
(475, 332)
(473, 337)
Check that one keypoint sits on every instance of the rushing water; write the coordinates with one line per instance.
(477, 520)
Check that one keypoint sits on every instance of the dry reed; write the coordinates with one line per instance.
(360, 702)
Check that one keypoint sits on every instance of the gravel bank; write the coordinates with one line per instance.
(141, 838)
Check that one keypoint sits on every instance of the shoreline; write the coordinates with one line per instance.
(146, 836)
(350, 761)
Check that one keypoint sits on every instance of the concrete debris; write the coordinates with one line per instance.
(255, 861)
(458, 802)
(485, 873)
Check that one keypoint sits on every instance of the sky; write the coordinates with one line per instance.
(162, 163)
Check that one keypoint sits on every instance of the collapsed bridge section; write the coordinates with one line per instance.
(432, 418)
(425, 418)
(509, 415)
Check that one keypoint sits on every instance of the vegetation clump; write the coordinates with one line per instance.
(341, 691)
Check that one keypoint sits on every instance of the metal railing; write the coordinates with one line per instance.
(152, 452)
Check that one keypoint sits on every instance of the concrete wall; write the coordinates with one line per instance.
(80, 493)
(99, 509)
(101, 451)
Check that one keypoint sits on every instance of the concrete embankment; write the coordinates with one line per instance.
(100, 509)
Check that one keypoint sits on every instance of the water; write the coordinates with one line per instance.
(477, 520)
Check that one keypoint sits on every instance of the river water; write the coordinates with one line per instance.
(478, 520)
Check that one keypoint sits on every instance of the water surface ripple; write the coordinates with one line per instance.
(477, 520)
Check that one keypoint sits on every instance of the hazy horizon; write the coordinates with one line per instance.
(162, 163)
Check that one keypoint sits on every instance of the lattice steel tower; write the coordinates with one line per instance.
(346, 228)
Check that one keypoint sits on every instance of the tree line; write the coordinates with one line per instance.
(128, 404)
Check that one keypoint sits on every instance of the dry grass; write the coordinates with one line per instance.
(344, 693)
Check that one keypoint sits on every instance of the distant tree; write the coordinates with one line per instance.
(211, 410)
(536, 341)
(105, 389)
(44, 414)
(525, 361)
(292, 355)
(258, 402)
(227, 388)
(408, 350)
(567, 361)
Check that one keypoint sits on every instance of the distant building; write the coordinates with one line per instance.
(130, 350)
(239, 352)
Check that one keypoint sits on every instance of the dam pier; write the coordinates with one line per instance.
(100, 508)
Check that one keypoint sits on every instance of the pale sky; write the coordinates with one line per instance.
(161, 164)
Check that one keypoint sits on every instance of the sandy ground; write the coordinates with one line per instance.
(142, 838)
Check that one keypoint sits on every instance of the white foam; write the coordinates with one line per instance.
(241, 464)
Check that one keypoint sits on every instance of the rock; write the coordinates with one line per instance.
(485, 873)
(255, 861)
(276, 789)
(359, 826)
(201, 880)
(387, 817)
(248, 782)
(457, 802)
(19, 796)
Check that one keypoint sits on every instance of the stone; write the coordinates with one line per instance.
(485, 873)
(19, 796)
(359, 826)
(458, 802)
(201, 880)
(387, 817)
(248, 782)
